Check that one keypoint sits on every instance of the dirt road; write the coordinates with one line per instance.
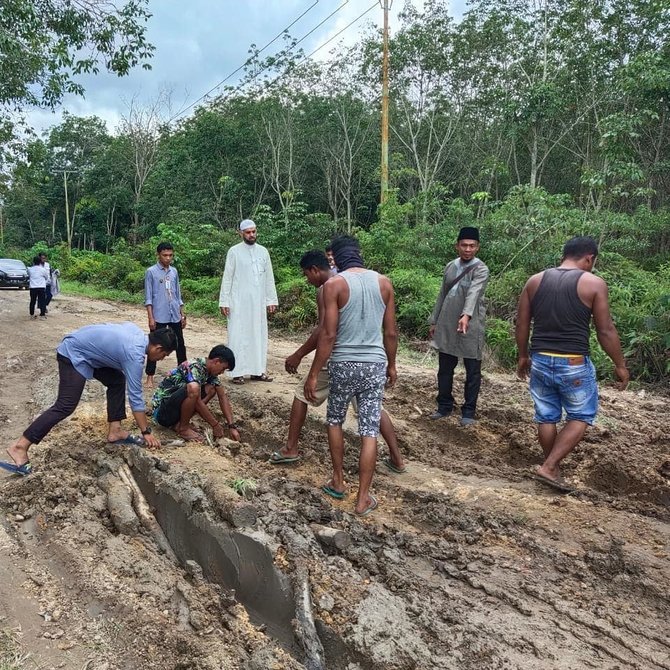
(466, 564)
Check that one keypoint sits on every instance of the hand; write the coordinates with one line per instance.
(235, 434)
(272, 309)
(623, 375)
(431, 332)
(225, 311)
(291, 363)
(463, 323)
(523, 367)
(391, 375)
(218, 431)
(183, 321)
(310, 388)
(152, 324)
(151, 441)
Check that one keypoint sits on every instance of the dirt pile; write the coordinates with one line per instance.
(466, 564)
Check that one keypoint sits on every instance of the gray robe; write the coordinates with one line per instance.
(466, 297)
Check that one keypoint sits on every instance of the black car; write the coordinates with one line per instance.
(13, 273)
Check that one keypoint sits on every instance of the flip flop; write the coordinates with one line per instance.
(277, 458)
(556, 484)
(370, 508)
(330, 491)
(131, 439)
(260, 378)
(238, 380)
(389, 464)
(23, 470)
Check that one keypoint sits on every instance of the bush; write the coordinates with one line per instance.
(415, 294)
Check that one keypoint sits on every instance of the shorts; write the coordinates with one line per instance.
(169, 411)
(362, 381)
(322, 388)
(556, 385)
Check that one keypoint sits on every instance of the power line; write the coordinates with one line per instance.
(328, 41)
(293, 46)
(246, 62)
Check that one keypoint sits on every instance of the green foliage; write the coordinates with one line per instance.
(415, 296)
(500, 339)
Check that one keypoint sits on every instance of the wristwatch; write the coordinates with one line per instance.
(231, 426)
(147, 431)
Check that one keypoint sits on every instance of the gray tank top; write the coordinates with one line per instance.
(359, 331)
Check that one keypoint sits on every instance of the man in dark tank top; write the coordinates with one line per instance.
(560, 303)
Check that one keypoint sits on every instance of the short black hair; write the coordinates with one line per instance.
(42, 253)
(578, 247)
(224, 354)
(165, 338)
(314, 258)
(37, 260)
(329, 248)
(164, 246)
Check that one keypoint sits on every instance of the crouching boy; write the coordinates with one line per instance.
(186, 391)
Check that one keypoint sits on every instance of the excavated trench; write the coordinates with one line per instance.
(241, 560)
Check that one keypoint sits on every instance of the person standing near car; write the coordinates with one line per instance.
(162, 298)
(39, 278)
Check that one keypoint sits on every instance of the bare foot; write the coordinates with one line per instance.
(549, 473)
(190, 434)
(18, 454)
(117, 435)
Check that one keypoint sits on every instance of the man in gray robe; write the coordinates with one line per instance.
(457, 326)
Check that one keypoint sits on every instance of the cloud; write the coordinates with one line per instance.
(198, 47)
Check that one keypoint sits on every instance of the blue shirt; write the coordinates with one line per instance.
(161, 291)
(121, 346)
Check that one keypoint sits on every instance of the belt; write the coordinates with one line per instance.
(570, 359)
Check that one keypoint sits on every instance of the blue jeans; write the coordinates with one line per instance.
(558, 384)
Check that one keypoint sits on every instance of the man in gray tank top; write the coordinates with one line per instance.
(358, 304)
(560, 303)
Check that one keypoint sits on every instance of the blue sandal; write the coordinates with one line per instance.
(131, 439)
(22, 470)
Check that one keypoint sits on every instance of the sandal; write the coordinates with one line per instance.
(238, 380)
(260, 378)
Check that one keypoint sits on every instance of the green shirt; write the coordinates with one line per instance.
(186, 373)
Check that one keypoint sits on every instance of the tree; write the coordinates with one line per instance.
(45, 44)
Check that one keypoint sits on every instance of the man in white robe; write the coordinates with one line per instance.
(247, 295)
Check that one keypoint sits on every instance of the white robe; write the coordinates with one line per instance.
(247, 288)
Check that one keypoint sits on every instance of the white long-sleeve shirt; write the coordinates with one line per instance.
(39, 276)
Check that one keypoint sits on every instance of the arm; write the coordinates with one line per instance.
(270, 289)
(293, 361)
(177, 292)
(149, 299)
(227, 283)
(390, 328)
(327, 334)
(607, 333)
(522, 332)
(439, 302)
(133, 373)
(480, 277)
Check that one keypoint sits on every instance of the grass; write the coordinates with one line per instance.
(11, 656)
(91, 291)
(244, 487)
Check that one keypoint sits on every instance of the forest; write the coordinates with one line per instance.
(533, 120)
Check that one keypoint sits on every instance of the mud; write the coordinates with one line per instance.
(467, 563)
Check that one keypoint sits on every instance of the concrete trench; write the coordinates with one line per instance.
(240, 560)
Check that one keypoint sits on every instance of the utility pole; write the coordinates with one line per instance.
(385, 106)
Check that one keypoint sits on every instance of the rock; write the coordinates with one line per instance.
(326, 602)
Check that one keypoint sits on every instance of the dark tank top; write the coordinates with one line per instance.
(561, 321)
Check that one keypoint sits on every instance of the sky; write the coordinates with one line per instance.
(199, 42)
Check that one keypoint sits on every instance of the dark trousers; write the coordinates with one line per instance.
(48, 295)
(445, 383)
(38, 295)
(181, 347)
(70, 387)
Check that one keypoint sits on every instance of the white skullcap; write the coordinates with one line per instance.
(246, 224)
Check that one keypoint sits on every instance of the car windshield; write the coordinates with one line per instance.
(10, 264)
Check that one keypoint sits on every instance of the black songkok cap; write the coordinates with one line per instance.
(468, 233)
